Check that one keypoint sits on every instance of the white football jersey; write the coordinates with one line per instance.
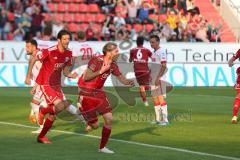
(84, 50)
(159, 56)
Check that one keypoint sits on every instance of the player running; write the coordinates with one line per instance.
(92, 98)
(33, 70)
(54, 60)
(140, 56)
(237, 88)
(159, 59)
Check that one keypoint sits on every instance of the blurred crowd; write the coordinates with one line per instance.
(172, 20)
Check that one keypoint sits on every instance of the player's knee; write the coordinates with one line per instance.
(59, 107)
(238, 96)
(142, 88)
(108, 121)
(51, 117)
(95, 126)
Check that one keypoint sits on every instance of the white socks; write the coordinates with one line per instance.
(164, 112)
(72, 109)
(157, 112)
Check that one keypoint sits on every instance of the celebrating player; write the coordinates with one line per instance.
(159, 59)
(237, 88)
(140, 56)
(54, 60)
(33, 70)
(92, 97)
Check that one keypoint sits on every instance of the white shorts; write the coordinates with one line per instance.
(40, 97)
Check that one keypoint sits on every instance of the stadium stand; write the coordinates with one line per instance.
(172, 20)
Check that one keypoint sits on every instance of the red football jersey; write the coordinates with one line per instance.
(140, 56)
(95, 64)
(53, 62)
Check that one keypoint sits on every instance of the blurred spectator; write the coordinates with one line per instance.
(144, 13)
(132, 11)
(37, 20)
(19, 33)
(172, 20)
(182, 6)
(118, 20)
(107, 5)
(47, 33)
(7, 30)
(56, 27)
(89, 32)
(121, 9)
(26, 25)
(3, 20)
(191, 7)
(16, 7)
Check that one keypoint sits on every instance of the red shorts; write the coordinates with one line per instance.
(52, 93)
(93, 104)
(143, 78)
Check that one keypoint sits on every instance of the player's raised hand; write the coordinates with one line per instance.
(105, 67)
(74, 75)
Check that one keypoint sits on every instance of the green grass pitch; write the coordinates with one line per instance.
(200, 129)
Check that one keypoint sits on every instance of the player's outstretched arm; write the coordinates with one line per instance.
(31, 63)
(125, 81)
(67, 72)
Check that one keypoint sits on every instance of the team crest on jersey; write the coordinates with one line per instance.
(39, 54)
(67, 59)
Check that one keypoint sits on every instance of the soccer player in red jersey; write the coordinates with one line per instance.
(140, 56)
(237, 88)
(54, 60)
(92, 98)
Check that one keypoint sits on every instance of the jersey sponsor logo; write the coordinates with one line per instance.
(58, 65)
(105, 75)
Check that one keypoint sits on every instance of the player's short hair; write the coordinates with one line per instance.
(140, 40)
(155, 37)
(63, 32)
(33, 42)
(81, 35)
(47, 31)
(110, 46)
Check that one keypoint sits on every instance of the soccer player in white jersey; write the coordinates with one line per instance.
(82, 53)
(159, 58)
(33, 70)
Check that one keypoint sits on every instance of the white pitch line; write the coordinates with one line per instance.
(131, 142)
(203, 95)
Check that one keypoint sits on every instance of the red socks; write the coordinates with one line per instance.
(105, 136)
(47, 125)
(236, 107)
